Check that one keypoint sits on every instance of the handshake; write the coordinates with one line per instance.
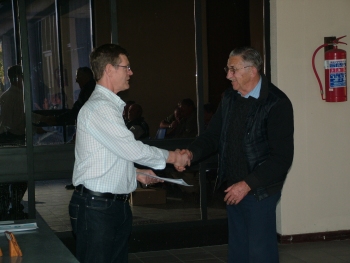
(180, 159)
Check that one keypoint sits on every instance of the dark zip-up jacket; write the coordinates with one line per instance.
(268, 141)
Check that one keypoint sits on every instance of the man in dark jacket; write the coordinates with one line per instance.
(252, 130)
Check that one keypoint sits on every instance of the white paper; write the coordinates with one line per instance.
(174, 181)
(18, 227)
(6, 222)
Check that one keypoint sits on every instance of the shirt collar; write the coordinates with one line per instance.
(111, 95)
(255, 93)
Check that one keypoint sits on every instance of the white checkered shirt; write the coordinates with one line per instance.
(105, 150)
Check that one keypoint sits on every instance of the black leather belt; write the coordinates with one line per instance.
(81, 189)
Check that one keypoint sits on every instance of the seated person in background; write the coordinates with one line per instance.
(126, 110)
(171, 128)
(188, 124)
(164, 124)
(136, 123)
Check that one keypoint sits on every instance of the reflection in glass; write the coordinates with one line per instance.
(44, 69)
(12, 117)
(165, 86)
(54, 94)
(11, 204)
(76, 43)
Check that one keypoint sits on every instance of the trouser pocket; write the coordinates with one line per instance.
(73, 214)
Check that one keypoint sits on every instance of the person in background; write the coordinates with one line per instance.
(188, 124)
(165, 124)
(86, 82)
(252, 130)
(12, 116)
(171, 128)
(12, 133)
(126, 110)
(136, 123)
(104, 173)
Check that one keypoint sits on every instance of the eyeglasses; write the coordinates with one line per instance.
(233, 70)
(127, 67)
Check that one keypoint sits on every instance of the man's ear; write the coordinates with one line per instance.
(108, 69)
(255, 71)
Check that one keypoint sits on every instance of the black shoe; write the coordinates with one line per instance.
(70, 187)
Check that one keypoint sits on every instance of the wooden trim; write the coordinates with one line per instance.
(314, 237)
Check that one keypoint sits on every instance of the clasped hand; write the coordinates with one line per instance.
(183, 159)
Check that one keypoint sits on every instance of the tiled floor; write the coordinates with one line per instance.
(52, 203)
(318, 252)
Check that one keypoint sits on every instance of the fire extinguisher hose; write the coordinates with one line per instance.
(314, 68)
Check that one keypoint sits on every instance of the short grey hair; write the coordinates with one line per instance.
(248, 54)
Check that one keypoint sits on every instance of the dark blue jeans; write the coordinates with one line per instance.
(102, 228)
(252, 230)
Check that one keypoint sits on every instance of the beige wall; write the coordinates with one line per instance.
(316, 195)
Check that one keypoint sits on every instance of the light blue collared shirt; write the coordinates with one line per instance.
(255, 93)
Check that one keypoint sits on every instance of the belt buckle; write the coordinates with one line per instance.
(125, 198)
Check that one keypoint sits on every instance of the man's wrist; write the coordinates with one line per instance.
(171, 157)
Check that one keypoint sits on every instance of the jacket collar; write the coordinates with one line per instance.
(264, 91)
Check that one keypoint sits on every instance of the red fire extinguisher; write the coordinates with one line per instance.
(335, 72)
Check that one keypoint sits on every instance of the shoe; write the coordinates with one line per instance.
(70, 187)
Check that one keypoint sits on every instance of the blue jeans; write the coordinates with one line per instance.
(252, 230)
(102, 228)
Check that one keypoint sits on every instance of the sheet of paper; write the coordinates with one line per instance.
(6, 222)
(18, 227)
(174, 181)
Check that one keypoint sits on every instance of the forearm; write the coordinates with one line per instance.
(208, 142)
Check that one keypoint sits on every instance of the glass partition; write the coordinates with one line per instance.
(76, 43)
(12, 117)
(44, 70)
(54, 58)
(163, 61)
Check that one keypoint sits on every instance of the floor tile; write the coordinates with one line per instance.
(52, 201)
